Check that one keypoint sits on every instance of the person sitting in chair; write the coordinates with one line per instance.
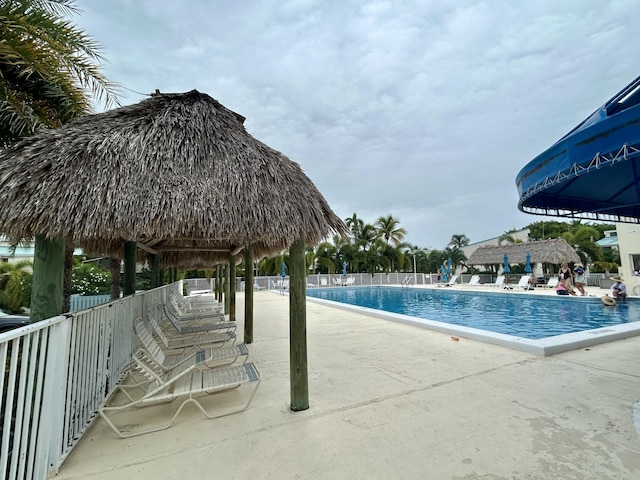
(618, 289)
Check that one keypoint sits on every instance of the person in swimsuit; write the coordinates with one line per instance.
(566, 277)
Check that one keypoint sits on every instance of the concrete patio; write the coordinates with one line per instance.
(395, 401)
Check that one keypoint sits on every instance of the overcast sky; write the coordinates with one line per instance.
(426, 110)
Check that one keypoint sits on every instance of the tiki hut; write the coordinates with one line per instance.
(177, 177)
(176, 173)
(554, 251)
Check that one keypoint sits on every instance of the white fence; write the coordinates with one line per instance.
(57, 374)
(82, 302)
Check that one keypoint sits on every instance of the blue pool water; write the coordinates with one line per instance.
(529, 316)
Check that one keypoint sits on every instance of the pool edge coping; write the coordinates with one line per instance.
(543, 347)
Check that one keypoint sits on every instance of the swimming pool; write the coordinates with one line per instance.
(531, 320)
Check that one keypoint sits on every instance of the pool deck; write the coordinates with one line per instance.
(390, 400)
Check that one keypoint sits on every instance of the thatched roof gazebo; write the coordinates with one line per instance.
(175, 175)
(554, 251)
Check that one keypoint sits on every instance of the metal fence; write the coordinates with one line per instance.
(57, 374)
(82, 302)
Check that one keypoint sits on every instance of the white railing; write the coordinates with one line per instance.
(271, 282)
(57, 374)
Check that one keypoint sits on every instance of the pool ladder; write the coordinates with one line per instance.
(406, 281)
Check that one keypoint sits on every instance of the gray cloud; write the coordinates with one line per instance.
(426, 110)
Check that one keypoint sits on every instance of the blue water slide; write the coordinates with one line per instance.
(592, 172)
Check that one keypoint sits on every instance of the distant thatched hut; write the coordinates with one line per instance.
(553, 251)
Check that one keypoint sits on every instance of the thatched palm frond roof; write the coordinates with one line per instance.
(176, 173)
(555, 251)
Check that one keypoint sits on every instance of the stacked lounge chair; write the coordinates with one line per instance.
(171, 336)
(190, 374)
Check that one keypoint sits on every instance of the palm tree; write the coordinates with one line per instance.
(326, 257)
(458, 240)
(47, 68)
(356, 225)
(583, 238)
(387, 228)
(457, 257)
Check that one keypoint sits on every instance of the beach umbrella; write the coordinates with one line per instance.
(444, 271)
(506, 268)
(344, 268)
(449, 266)
(527, 267)
(283, 273)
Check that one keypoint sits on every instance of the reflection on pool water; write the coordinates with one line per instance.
(529, 316)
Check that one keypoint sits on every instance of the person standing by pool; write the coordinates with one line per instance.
(566, 277)
(618, 289)
(579, 280)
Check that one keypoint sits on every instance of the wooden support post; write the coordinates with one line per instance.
(248, 294)
(114, 266)
(68, 277)
(155, 271)
(232, 288)
(129, 278)
(225, 282)
(218, 285)
(48, 278)
(298, 327)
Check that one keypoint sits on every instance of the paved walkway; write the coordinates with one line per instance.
(395, 401)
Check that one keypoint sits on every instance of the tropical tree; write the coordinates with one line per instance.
(376, 259)
(12, 276)
(546, 230)
(582, 239)
(458, 240)
(326, 257)
(457, 256)
(368, 235)
(48, 68)
(506, 238)
(355, 225)
(387, 228)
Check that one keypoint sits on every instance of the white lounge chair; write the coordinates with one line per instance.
(189, 382)
(350, 281)
(172, 338)
(499, 281)
(553, 282)
(452, 281)
(474, 280)
(323, 282)
(185, 311)
(337, 282)
(197, 324)
(170, 358)
(524, 282)
(257, 287)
